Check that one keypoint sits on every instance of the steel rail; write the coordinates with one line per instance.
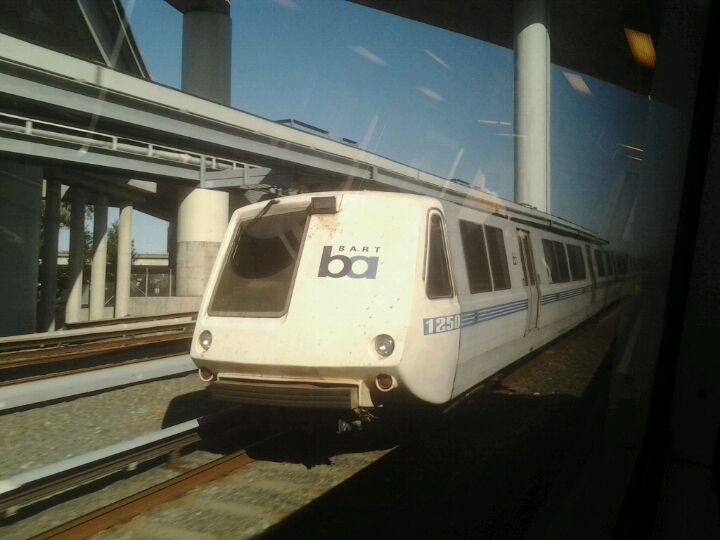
(59, 354)
(130, 320)
(82, 335)
(125, 509)
(34, 486)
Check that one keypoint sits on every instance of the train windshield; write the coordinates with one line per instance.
(257, 275)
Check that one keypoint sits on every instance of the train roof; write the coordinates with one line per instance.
(486, 202)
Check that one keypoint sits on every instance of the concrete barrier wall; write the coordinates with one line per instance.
(161, 305)
(153, 305)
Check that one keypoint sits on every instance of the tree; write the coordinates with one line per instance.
(113, 249)
(87, 259)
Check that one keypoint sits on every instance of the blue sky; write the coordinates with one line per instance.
(408, 91)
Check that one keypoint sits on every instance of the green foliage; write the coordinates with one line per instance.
(112, 248)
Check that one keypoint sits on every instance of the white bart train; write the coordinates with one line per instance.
(348, 300)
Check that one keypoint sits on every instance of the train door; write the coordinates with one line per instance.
(593, 277)
(530, 278)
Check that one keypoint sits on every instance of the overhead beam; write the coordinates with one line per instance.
(396, 175)
(271, 150)
(54, 151)
(241, 178)
(215, 6)
(66, 83)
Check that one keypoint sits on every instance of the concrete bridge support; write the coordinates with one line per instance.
(76, 256)
(202, 219)
(124, 261)
(20, 201)
(172, 254)
(532, 104)
(203, 214)
(99, 258)
(49, 254)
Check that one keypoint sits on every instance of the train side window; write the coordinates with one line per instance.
(550, 262)
(588, 252)
(562, 261)
(557, 262)
(527, 260)
(577, 263)
(600, 263)
(498, 258)
(438, 284)
(476, 259)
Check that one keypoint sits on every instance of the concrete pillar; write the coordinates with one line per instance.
(172, 243)
(532, 104)
(203, 214)
(202, 220)
(76, 259)
(99, 258)
(49, 254)
(206, 56)
(20, 202)
(172, 256)
(124, 261)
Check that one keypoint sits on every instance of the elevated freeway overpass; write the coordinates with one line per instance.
(122, 140)
(100, 126)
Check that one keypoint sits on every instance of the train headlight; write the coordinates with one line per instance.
(205, 339)
(384, 345)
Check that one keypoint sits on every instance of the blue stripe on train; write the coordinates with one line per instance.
(477, 316)
(564, 295)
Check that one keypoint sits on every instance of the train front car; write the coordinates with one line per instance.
(317, 301)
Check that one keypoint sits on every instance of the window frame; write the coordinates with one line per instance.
(491, 277)
(443, 234)
(554, 251)
(229, 253)
(599, 256)
(485, 251)
(582, 262)
(506, 266)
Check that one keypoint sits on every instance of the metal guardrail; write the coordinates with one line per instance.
(87, 138)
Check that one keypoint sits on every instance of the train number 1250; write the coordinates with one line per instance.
(435, 325)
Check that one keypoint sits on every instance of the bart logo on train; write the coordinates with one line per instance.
(351, 266)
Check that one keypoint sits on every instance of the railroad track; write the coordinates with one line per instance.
(250, 490)
(82, 346)
(261, 492)
(125, 509)
(130, 320)
(27, 494)
(29, 488)
(33, 500)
